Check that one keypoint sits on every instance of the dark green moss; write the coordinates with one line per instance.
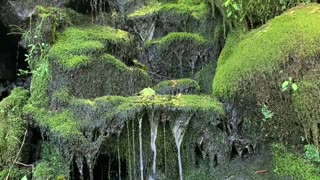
(205, 78)
(289, 164)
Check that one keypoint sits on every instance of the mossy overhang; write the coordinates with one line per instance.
(263, 51)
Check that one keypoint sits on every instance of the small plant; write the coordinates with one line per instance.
(267, 114)
(312, 153)
(289, 84)
(231, 6)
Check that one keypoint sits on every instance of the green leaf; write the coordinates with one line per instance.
(227, 3)
(294, 87)
(235, 7)
(285, 85)
(24, 178)
(229, 13)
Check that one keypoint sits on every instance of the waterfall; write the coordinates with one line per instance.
(179, 130)
(140, 144)
(134, 154)
(129, 151)
(154, 131)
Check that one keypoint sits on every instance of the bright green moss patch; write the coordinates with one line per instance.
(295, 33)
(80, 45)
(183, 86)
(12, 125)
(196, 10)
(289, 164)
(177, 37)
(61, 123)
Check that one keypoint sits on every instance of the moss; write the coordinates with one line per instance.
(264, 50)
(197, 10)
(61, 124)
(306, 101)
(12, 125)
(175, 37)
(51, 164)
(205, 78)
(184, 86)
(80, 45)
(289, 164)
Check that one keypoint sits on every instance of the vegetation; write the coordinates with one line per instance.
(289, 164)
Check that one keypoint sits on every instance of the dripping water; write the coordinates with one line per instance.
(154, 131)
(129, 152)
(178, 132)
(140, 144)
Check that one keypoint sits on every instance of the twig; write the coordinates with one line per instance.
(25, 165)
(17, 156)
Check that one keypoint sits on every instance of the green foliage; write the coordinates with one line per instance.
(51, 164)
(147, 93)
(12, 125)
(267, 114)
(286, 84)
(264, 50)
(289, 164)
(312, 153)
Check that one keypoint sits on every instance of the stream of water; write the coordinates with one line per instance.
(140, 144)
(154, 132)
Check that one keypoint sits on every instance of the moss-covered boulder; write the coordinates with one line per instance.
(12, 131)
(174, 87)
(82, 63)
(87, 130)
(253, 67)
(177, 55)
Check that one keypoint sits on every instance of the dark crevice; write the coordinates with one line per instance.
(90, 6)
(233, 153)
(12, 58)
(107, 168)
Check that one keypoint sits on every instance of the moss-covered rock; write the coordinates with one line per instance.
(174, 87)
(12, 126)
(205, 78)
(80, 65)
(253, 66)
(177, 55)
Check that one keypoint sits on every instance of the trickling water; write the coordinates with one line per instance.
(119, 161)
(129, 151)
(140, 144)
(154, 132)
(165, 148)
(79, 163)
(178, 132)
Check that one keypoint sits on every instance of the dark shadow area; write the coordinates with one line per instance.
(89, 6)
(12, 58)
(233, 153)
(107, 168)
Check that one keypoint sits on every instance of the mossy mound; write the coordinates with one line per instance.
(177, 55)
(174, 87)
(82, 63)
(12, 129)
(82, 128)
(253, 66)
(292, 35)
